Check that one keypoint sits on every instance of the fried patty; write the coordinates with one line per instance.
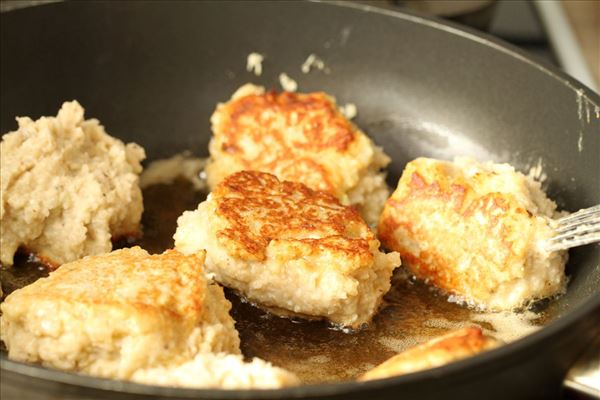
(475, 230)
(299, 137)
(288, 247)
(114, 314)
(443, 350)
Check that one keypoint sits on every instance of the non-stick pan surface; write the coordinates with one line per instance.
(152, 73)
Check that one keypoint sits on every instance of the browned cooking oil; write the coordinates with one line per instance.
(412, 312)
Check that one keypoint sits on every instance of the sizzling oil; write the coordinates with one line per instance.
(412, 312)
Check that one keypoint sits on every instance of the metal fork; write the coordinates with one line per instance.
(579, 228)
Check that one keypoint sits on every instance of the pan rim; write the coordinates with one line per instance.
(473, 365)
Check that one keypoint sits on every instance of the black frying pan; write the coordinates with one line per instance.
(152, 73)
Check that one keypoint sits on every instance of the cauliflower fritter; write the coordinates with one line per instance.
(289, 248)
(299, 137)
(113, 314)
(443, 350)
(476, 231)
(67, 188)
(219, 370)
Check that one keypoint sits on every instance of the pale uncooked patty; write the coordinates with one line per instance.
(67, 188)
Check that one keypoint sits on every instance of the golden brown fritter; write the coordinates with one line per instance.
(289, 247)
(113, 314)
(300, 137)
(474, 230)
(443, 350)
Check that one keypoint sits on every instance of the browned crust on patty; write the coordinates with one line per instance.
(430, 194)
(97, 280)
(292, 130)
(258, 209)
(322, 125)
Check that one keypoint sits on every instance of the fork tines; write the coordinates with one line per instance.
(579, 228)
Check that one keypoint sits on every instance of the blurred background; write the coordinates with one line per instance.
(565, 33)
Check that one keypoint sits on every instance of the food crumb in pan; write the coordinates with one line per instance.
(314, 62)
(580, 116)
(584, 105)
(287, 83)
(182, 165)
(349, 110)
(345, 35)
(536, 172)
(254, 63)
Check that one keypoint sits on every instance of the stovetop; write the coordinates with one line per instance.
(517, 22)
(541, 28)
